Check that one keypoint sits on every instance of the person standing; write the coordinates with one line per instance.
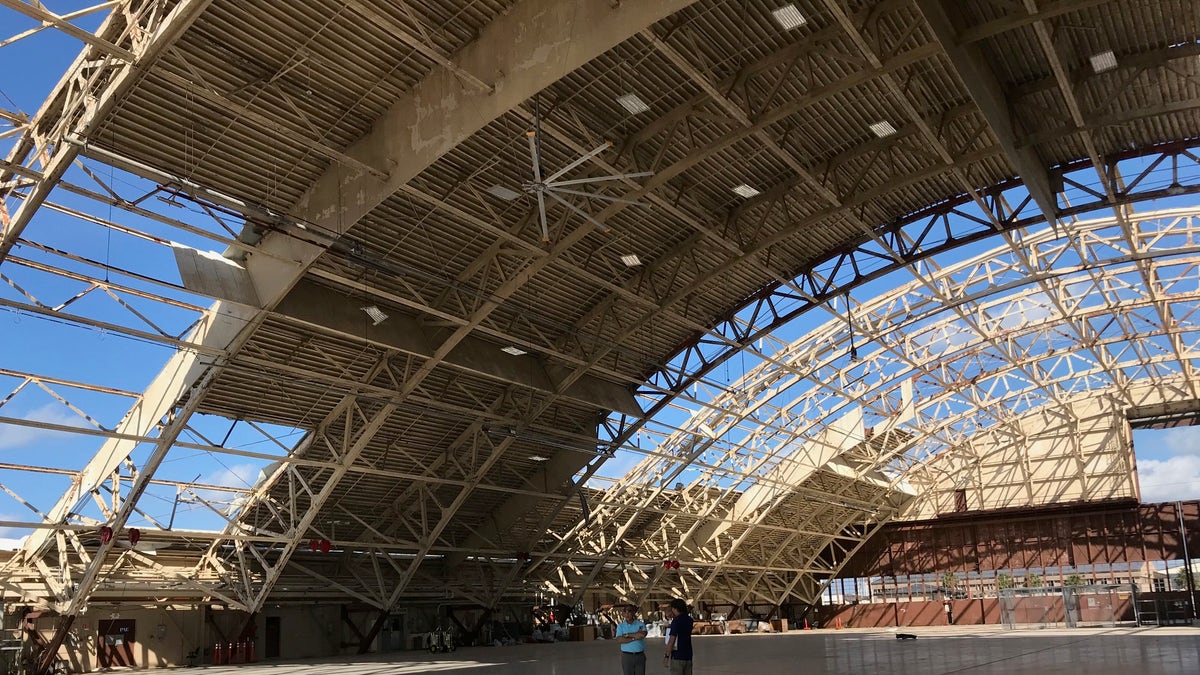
(679, 646)
(631, 634)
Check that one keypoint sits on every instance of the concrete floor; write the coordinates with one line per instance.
(1120, 651)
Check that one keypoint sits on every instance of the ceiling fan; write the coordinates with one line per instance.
(562, 191)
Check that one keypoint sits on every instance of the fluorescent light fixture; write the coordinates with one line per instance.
(883, 129)
(746, 191)
(376, 314)
(515, 351)
(503, 193)
(631, 260)
(1104, 61)
(632, 103)
(789, 17)
(539, 458)
(708, 431)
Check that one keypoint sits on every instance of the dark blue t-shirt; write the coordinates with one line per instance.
(681, 630)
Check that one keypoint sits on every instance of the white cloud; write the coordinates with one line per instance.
(9, 544)
(12, 436)
(238, 475)
(1185, 440)
(1173, 479)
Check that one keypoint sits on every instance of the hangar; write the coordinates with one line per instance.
(503, 307)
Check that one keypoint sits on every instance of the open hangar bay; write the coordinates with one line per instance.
(340, 329)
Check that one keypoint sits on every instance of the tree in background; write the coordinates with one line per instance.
(1033, 580)
(949, 583)
(1075, 580)
(1179, 581)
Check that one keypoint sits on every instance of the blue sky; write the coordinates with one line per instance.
(1170, 462)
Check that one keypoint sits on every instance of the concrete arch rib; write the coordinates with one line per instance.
(942, 380)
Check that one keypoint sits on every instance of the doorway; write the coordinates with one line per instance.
(272, 638)
(393, 638)
(115, 639)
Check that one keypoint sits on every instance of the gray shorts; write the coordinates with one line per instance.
(633, 663)
(681, 667)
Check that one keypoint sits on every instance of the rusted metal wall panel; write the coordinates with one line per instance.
(1078, 534)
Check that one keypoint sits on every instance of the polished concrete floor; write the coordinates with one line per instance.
(1120, 651)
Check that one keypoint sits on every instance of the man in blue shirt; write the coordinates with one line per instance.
(679, 645)
(631, 634)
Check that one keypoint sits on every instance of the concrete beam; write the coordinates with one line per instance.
(533, 45)
(328, 310)
(979, 80)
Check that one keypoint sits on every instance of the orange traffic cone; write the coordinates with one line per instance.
(806, 626)
(837, 624)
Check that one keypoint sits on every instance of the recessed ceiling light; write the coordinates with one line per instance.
(515, 351)
(376, 314)
(503, 193)
(631, 260)
(539, 458)
(883, 129)
(746, 191)
(789, 17)
(632, 103)
(1104, 61)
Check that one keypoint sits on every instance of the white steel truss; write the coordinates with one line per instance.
(966, 373)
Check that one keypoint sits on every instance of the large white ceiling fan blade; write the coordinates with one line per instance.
(587, 216)
(581, 160)
(538, 185)
(600, 179)
(542, 215)
(593, 195)
(534, 155)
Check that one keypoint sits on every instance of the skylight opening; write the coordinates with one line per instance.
(789, 17)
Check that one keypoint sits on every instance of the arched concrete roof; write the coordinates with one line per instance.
(356, 154)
